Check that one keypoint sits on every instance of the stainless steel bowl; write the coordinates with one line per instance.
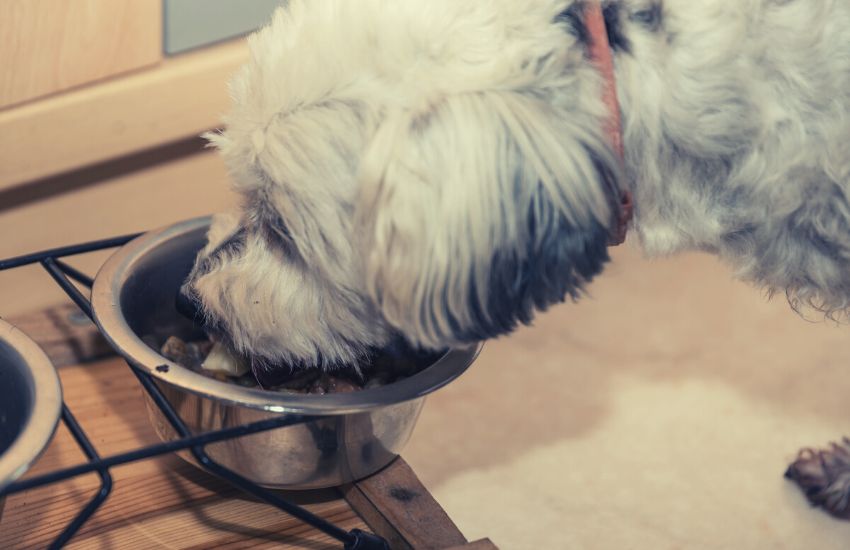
(30, 403)
(358, 432)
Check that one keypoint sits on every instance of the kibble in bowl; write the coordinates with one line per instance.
(214, 360)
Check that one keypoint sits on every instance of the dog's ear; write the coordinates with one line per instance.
(480, 209)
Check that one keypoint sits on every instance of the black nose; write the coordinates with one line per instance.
(187, 303)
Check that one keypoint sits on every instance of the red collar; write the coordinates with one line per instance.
(600, 53)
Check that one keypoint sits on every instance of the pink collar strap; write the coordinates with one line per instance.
(600, 53)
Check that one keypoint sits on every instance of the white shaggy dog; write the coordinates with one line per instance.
(436, 169)
(441, 169)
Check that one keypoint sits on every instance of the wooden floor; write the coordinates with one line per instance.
(159, 503)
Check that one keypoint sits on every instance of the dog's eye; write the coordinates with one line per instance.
(649, 18)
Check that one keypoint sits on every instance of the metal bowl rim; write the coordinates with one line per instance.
(106, 307)
(46, 407)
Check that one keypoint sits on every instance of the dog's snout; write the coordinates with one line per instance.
(187, 303)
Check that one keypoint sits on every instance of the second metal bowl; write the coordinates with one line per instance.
(30, 403)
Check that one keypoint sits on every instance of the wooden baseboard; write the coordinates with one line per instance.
(181, 97)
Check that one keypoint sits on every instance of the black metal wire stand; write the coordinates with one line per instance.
(64, 275)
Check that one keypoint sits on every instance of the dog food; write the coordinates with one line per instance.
(215, 361)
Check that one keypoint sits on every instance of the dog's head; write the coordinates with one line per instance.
(436, 169)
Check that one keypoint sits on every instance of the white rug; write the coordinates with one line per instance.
(661, 414)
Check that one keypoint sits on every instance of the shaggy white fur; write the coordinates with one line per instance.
(738, 141)
(438, 169)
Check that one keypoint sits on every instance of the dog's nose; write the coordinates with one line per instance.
(187, 303)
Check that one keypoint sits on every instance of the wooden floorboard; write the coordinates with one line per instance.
(158, 503)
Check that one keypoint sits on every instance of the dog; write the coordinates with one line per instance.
(435, 170)
(444, 170)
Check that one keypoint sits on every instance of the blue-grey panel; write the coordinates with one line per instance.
(193, 23)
